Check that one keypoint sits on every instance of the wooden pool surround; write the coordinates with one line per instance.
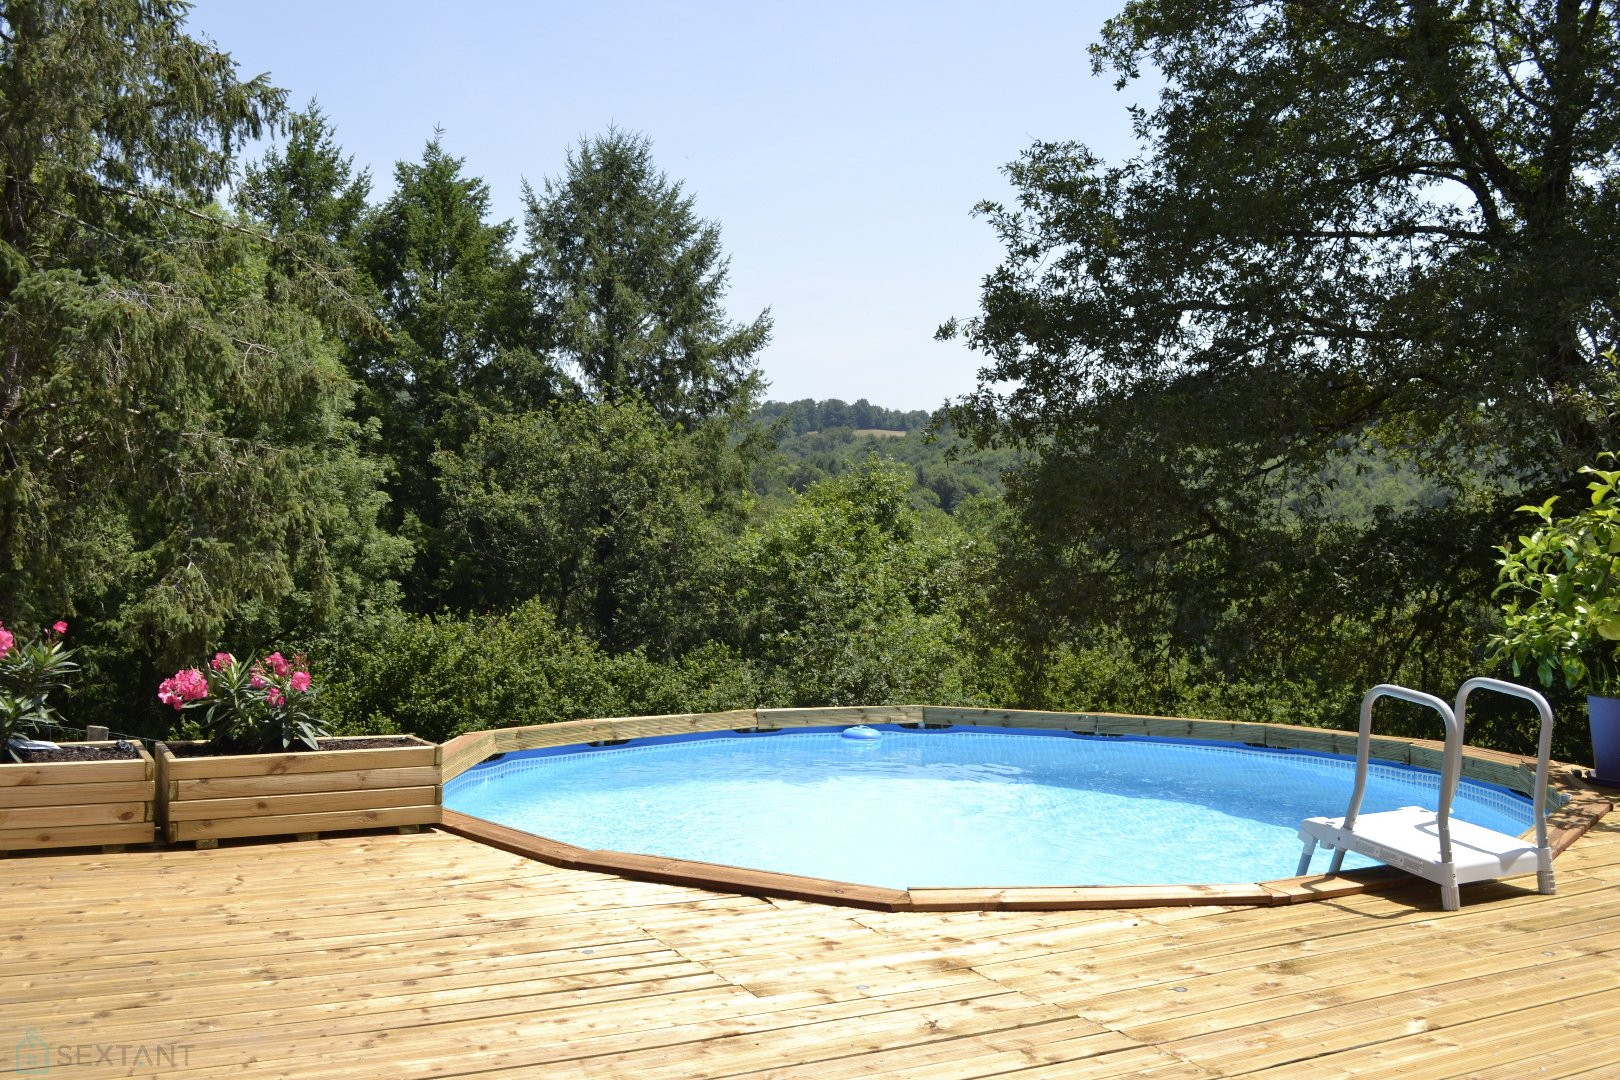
(1585, 806)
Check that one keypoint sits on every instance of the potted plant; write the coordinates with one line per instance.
(70, 794)
(28, 674)
(258, 763)
(1561, 615)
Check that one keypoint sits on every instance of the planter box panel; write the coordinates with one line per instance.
(405, 757)
(77, 803)
(135, 832)
(48, 817)
(243, 795)
(74, 794)
(318, 802)
(230, 787)
(76, 772)
(291, 824)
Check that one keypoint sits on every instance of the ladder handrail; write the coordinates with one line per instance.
(1543, 745)
(1450, 768)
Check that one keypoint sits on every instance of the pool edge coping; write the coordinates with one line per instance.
(1586, 806)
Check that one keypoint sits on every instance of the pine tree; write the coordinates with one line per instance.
(308, 186)
(176, 460)
(449, 300)
(627, 284)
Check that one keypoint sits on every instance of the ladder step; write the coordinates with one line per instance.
(1409, 839)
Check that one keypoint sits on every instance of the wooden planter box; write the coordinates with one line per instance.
(67, 804)
(208, 799)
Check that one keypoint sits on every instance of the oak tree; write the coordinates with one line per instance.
(1355, 231)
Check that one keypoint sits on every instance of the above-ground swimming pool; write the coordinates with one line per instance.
(916, 808)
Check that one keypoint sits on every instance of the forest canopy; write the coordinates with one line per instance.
(1258, 404)
(1355, 235)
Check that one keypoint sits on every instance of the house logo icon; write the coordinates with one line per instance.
(33, 1055)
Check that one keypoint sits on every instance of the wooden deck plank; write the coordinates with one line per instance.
(571, 1055)
(1139, 1063)
(1064, 1039)
(1227, 945)
(1260, 1039)
(430, 955)
(1213, 1003)
(807, 1044)
(365, 968)
(1558, 1041)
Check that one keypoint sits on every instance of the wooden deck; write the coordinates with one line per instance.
(387, 956)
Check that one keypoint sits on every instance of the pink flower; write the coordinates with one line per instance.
(299, 681)
(273, 695)
(6, 640)
(257, 682)
(181, 687)
(223, 660)
(277, 663)
(59, 626)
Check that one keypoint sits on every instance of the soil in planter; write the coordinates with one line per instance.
(374, 742)
(76, 753)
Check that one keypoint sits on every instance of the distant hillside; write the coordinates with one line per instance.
(1357, 486)
(808, 415)
(818, 439)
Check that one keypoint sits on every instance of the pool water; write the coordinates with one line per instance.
(956, 808)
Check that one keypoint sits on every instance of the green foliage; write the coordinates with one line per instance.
(448, 295)
(29, 673)
(1260, 400)
(627, 284)
(116, 125)
(247, 506)
(307, 187)
(807, 416)
(947, 470)
(438, 677)
(1360, 487)
(1354, 233)
(849, 596)
(1561, 616)
(255, 707)
(178, 458)
(1107, 675)
(608, 516)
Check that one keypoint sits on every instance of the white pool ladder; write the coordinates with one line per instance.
(1427, 842)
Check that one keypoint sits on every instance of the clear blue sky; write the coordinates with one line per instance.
(840, 147)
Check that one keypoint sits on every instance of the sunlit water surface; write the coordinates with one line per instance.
(953, 808)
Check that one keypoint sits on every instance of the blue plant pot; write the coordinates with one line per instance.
(1604, 715)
